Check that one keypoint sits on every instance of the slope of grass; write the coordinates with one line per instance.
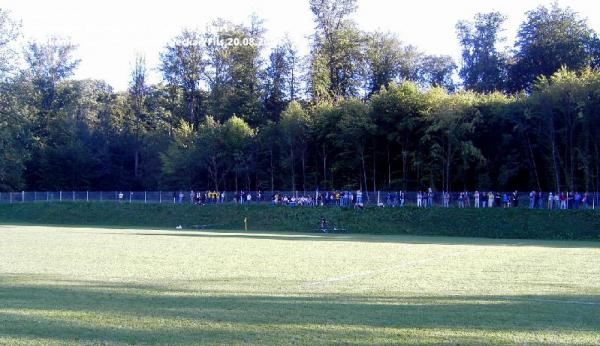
(491, 223)
(107, 286)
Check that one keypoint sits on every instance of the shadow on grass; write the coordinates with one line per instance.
(105, 312)
(310, 235)
(400, 239)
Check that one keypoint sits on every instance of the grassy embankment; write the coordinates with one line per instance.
(489, 223)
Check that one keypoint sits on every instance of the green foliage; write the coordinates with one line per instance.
(182, 65)
(9, 32)
(233, 70)
(337, 48)
(554, 32)
(179, 160)
(377, 113)
(15, 139)
(294, 126)
(483, 67)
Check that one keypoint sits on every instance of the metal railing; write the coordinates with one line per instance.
(294, 198)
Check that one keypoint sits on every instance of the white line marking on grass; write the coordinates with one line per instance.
(370, 273)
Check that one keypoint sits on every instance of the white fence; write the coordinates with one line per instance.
(332, 198)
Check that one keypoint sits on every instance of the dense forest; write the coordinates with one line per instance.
(360, 110)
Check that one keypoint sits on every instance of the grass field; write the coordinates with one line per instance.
(112, 286)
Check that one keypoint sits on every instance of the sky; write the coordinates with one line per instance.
(110, 33)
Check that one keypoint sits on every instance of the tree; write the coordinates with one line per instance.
(438, 71)
(483, 66)
(238, 138)
(559, 105)
(138, 91)
(448, 136)
(336, 53)
(384, 55)
(325, 121)
(180, 164)
(280, 79)
(294, 125)
(48, 64)
(182, 65)
(354, 131)
(234, 52)
(550, 32)
(9, 32)
(14, 140)
(398, 113)
(212, 150)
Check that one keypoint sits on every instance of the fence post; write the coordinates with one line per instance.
(130, 195)
(10, 197)
(145, 196)
(22, 196)
(34, 196)
(73, 196)
(87, 196)
(159, 197)
(47, 196)
(60, 196)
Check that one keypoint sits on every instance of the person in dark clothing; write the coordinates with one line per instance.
(324, 225)
(515, 199)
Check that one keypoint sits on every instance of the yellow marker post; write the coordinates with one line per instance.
(246, 223)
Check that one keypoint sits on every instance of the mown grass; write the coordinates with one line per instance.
(490, 223)
(111, 286)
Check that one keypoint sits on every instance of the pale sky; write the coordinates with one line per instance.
(110, 33)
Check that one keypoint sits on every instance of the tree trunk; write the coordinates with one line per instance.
(324, 168)
(404, 164)
(448, 160)
(293, 168)
(571, 157)
(192, 110)
(303, 170)
(532, 158)
(389, 164)
(554, 162)
(374, 172)
(236, 180)
(272, 169)
(364, 169)
(136, 164)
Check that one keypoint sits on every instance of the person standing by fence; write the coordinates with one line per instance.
(563, 201)
(531, 199)
(430, 197)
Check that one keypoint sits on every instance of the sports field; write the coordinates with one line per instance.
(113, 286)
